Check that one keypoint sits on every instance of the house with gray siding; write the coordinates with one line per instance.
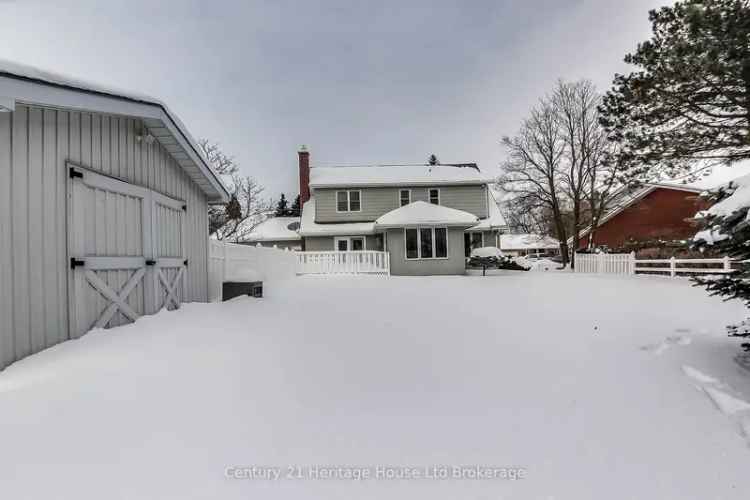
(426, 217)
(103, 209)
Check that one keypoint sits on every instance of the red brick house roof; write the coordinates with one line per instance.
(651, 212)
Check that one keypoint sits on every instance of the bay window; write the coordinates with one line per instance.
(426, 243)
(412, 243)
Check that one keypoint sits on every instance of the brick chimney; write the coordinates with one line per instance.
(304, 175)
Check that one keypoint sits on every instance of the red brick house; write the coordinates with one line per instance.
(653, 212)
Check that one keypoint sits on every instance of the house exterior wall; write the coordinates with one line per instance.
(35, 144)
(377, 201)
(454, 264)
(325, 243)
(661, 214)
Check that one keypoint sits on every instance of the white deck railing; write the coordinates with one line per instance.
(361, 262)
(626, 263)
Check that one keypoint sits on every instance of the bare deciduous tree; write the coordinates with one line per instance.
(575, 106)
(562, 164)
(233, 220)
(531, 173)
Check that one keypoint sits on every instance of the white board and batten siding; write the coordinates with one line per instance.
(36, 147)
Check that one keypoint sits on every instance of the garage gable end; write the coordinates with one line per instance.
(25, 85)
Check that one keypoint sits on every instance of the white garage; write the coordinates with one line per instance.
(103, 210)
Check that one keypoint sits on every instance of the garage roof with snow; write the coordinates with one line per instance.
(23, 84)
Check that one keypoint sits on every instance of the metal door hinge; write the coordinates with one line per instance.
(150, 262)
(76, 263)
(73, 173)
(186, 262)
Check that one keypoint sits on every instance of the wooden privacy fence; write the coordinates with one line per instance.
(626, 263)
(356, 262)
(232, 262)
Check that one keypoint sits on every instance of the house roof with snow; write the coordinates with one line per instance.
(310, 228)
(527, 241)
(422, 213)
(396, 175)
(276, 229)
(23, 84)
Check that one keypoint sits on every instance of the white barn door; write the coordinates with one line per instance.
(168, 222)
(125, 249)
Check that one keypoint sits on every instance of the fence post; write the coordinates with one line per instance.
(672, 267)
(727, 264)
(631, 263)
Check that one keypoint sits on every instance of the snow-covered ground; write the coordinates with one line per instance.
(595, 387)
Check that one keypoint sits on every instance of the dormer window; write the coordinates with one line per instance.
(348, 201)
(435, 196)
(404, 197)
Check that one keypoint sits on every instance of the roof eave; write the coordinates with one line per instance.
(463, 225)
(31, 91)
(398, 184)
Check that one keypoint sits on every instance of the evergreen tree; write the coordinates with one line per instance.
(282, 209)
(433, 160)
(688, 103)
(688, 106)
(727, 231)
(296, 210)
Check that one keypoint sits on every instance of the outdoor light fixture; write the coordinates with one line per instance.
(147, 138)
(7, 105)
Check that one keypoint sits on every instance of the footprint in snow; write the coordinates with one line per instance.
(726, 403)
(662, 346)
(679, 340)
(745, 425)
(698, 375)
(732, 406)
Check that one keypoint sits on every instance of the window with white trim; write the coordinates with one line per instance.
(434, 195)
(404, 197)
(348, 201)
(426, 243)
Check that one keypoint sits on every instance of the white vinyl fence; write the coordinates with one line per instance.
(626, 263)
(356, 262)
(232, 262)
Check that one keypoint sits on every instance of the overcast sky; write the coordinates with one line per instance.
(358, 82)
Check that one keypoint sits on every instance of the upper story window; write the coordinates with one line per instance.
(348, 201)
(435, 196)
(404, 197)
